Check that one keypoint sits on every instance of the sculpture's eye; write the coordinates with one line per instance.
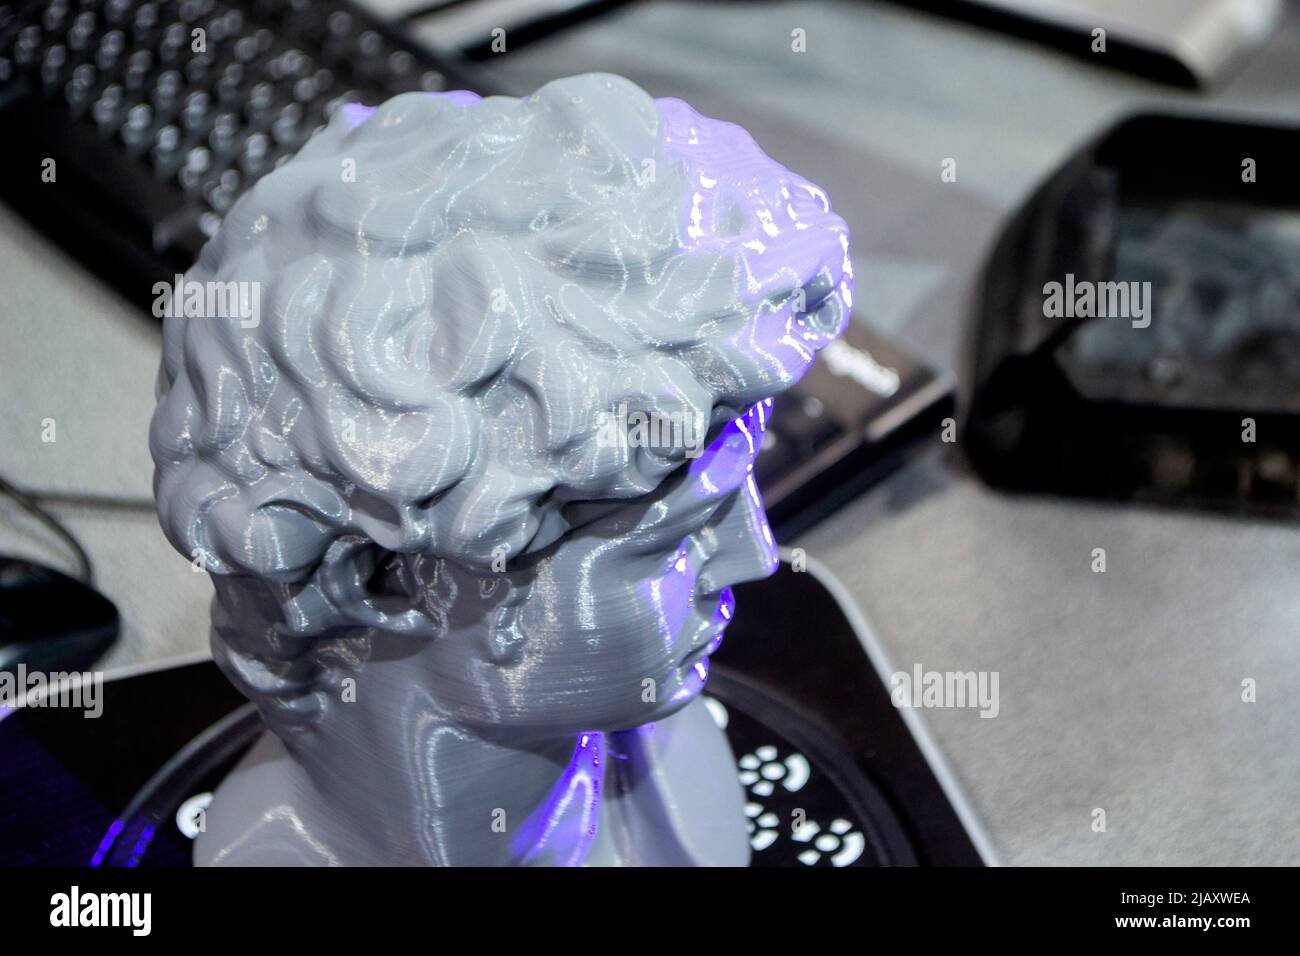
(427, 502)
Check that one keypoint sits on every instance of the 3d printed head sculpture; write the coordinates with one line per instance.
(453, 598)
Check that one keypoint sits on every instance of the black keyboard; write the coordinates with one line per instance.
(159, 115)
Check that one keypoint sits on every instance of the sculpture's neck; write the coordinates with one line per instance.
(441, 795)
(379, 772)
(647, 796)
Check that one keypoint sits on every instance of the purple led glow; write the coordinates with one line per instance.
(142, 844)
(106, 844)
(356, 113)
(698, 675)
(110, 839)
(721, 618)
(726, 462)
(671, 594)
(693, 683)
(567, 821)
(783, 219)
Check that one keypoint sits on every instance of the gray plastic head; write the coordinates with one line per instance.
(489, 440)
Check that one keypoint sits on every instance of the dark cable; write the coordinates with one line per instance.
(33, 507)
(433, 6)
(108, 502)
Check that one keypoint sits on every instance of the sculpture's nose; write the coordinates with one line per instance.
(746, 550)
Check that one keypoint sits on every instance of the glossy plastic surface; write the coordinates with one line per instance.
(471, 468)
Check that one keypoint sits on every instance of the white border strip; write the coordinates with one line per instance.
(911, 716)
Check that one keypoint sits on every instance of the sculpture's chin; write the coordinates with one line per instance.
(693, 678)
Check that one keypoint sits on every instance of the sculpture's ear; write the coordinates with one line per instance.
(345, 576)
